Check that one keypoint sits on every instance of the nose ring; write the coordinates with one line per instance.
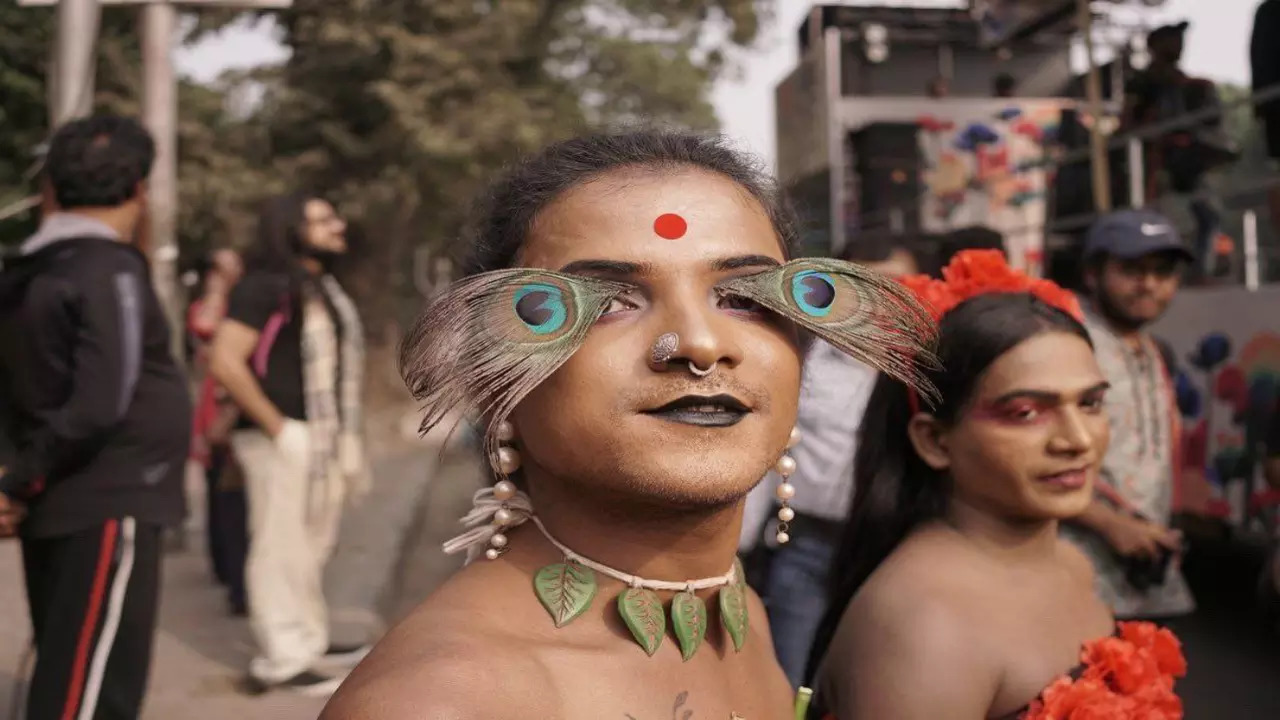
(664, 348)
(699, 371)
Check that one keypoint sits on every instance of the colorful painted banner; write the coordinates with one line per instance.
(1227, 345)
(990, 170)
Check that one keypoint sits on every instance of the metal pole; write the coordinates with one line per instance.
(160, 113)
(74, 66)
(1251, 250)
(1137, 174)
(1097, 143)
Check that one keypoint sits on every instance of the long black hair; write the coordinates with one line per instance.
(895, 490)
(279, 246)
(505, 213)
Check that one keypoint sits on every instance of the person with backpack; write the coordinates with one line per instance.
(290, 352)
(1134, 261)
(98, 414)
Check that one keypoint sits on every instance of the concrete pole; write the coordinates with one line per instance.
(160, 113)
(74, 61)
(1097, 141)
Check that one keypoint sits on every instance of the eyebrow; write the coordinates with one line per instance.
(1045, 395)
(745, 261)
(607, 268)
(624, 269)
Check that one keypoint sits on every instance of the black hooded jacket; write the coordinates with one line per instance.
(95, 408)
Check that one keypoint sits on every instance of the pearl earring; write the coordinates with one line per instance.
(505, 461)
(786, 467)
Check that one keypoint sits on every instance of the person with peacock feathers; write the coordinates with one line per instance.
(629, 331)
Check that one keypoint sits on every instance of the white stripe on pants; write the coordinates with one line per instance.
(288, 549)
(110, 623)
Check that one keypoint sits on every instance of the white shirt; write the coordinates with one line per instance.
(833, 399)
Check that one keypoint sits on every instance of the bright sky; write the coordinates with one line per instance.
(1217, 47)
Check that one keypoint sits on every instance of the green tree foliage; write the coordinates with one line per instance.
(26, 41)
(219, 169)
(398, 110)
(403, 109)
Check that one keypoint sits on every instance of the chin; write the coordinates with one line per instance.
(1065, 506)
(696, 479)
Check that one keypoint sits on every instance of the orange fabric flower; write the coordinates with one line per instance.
(1129, 676)
(1164, 645)
(979, 272)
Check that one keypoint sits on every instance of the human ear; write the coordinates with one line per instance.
(929, 438)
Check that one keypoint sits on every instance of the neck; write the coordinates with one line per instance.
(1004, 537)
(118, 219)
(672, 546)
(313, 266)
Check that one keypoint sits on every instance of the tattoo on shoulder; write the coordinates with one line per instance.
(679, 711)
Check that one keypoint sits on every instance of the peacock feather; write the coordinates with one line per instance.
(867, 315)
(491, 338)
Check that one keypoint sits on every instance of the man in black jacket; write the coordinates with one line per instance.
(100, 417)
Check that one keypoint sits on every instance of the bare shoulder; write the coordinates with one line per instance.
(906, 624)
(447, 660)
(448, 678)
(1076, 561)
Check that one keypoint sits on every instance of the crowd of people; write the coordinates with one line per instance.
(968, 475)
(101, 425)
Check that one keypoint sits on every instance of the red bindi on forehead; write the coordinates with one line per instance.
(670, 226)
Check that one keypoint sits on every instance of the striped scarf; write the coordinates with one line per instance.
(332, 382)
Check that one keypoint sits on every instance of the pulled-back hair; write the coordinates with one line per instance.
(896, 491)
(505, 214)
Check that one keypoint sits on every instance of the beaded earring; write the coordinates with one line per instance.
(786, 467)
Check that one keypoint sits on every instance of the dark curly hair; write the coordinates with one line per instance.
(507, 211)
(98, 161)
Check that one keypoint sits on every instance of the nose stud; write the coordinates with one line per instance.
(664, 348)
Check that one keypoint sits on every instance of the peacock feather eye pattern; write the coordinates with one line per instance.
(541, 307)
(814, 292)
(487, 341)
(867, 315)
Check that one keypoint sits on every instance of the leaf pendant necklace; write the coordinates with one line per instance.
(566, 590)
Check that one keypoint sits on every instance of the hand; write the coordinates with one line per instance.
(355, 469)
(11, 514)
(1135, 537)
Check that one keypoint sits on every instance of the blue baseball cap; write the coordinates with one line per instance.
(1129, 234)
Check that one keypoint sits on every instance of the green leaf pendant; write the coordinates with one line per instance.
(645, 617)
(565, 589)
(733, 613)
(689, 620)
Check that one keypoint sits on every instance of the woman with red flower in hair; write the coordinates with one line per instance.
(953, 596)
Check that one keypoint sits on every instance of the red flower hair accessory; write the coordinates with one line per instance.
(981, 272)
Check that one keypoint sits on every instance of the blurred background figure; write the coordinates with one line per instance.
(1134, 262)
(226, 517)
(1005, 86)
(290, 352)
(100, 422)
(792, 578)
(1180, 159)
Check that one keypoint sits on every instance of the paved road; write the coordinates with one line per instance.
(201, 651)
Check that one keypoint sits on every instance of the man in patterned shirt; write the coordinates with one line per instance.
(1133, 265)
